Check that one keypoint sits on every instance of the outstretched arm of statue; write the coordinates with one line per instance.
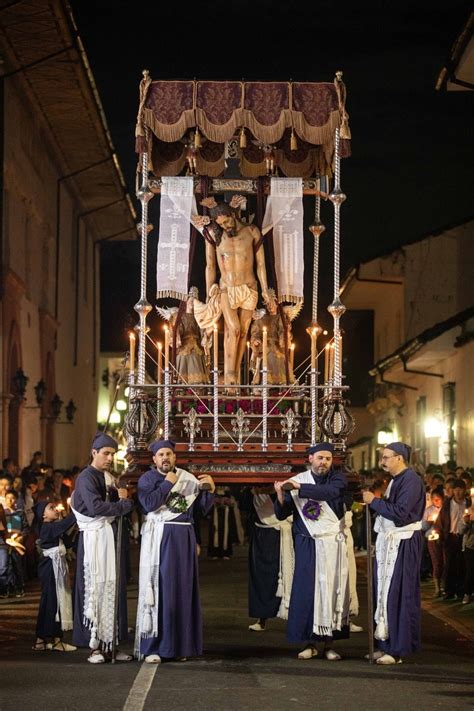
(211, 267)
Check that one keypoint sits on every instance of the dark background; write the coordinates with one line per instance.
(412, 148)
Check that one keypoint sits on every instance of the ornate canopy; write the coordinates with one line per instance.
(292, 124)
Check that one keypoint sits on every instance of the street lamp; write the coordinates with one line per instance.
(433, 427)
(70, 410)
(40, 392)
(56, 404)
(384, 435)
(19, 382)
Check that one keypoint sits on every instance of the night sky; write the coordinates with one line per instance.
(412, 150)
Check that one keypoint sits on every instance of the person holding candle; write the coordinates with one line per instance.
(450, 527)
(55, 608)
(435, 548)
(398, 557)
(96, 508)
(169, 622)
(315, 498)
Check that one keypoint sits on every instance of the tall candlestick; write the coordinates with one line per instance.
(215, 346)
(292, 358)
(331, 361)
(472, 496)
(326, 362)
(313, 349)
(247, 364)
(131, 362)
(158, 365)
(167, 348)
(265, 348)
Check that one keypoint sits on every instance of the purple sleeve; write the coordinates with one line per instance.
(324, 492)
(403, 510)
(206, 501)
(153, 492)
(94, 504)
(284, 510)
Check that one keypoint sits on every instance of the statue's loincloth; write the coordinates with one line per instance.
(241, 297)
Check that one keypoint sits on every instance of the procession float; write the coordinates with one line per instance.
(230, 162)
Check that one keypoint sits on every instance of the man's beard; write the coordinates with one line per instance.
(231, 232)
(165, 467)
(321, 470)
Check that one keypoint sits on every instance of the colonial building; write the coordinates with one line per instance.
(422, 300)
(62, 194)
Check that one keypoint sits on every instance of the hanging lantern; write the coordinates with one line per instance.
(293, 141)
(56, 404)
(70, 410)
(19, 383)
(40, 392)
(243, 138)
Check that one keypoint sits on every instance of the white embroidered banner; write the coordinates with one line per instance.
(177, 205)
(284, 214)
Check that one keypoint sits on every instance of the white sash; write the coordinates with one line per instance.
(63, 590)
(263, 505)
(386, 547)
(99, 577)
(354, 598)
(331, 577)
(152, 534)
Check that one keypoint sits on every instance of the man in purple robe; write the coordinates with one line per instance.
(96, 505)
(398, 557)
(320, 595)
(169, 622)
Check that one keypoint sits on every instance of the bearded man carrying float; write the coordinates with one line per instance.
(320, 596)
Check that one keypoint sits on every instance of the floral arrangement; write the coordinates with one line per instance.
(312, 510)
(229, 407)
(177, 503)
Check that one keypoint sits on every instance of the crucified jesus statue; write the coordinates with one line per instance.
(238, 253)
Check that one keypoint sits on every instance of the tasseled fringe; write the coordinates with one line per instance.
(149, 595)
(381, 631)
(147, 623)
(170, 294)
(293, 141)
(243, 138)
(279, 592)
(197, 139)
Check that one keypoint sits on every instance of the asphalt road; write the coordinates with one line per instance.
(240, 669)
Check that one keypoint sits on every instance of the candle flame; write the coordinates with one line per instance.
(159, 345)
(314, 331)
(264, 329)
(214, 326)
(292, 346)
(132, 336)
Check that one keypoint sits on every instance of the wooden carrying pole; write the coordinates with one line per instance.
(370, 599)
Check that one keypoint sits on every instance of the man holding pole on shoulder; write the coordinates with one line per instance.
(398, 557)
(320, 596)
(169, 621)
(96, 508)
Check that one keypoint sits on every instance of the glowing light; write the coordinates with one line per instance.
(121, 405)
(384, 436)
(115, 418)
(433, 427)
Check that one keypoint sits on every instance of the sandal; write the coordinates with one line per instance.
(61, 646)
(41, 646)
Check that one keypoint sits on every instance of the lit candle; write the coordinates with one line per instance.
(158, 364)
(292, 358)
(326, 362)
(265, 348)
(313, 349)
(472, 496)
(247, 365)
(131, 362)
(215, 346)
(167, 348)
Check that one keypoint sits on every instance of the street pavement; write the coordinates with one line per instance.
(241, 669)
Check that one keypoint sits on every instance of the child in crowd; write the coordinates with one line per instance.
(435, 548)
(16, 549)
(55, 609)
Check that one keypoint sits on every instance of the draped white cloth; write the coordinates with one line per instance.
(354, 604)
(149, 576)
(284, 214)
(386, 547)
(99, 577)
(331, 573)
(63, 591)
(263, 506)
(178, 204)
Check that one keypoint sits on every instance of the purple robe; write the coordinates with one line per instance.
(90, 499)
(331, 488)
(406, 505)
(179, 614)
(51, 533)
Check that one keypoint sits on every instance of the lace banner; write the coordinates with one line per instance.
(284, 214)
(177, 205)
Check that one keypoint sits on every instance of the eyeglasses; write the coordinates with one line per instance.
(389, 456)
